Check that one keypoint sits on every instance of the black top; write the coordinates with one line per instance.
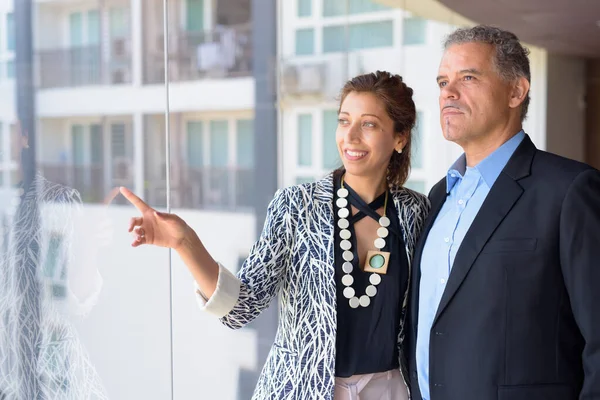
(367, 337)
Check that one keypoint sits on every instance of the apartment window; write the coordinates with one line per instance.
(359, 36)
(119, 146)
(195, 147)
(331, 158)
(10, 32)
(414, 31)
(78, 144)
(119, 22)
(76, 29)
(194, 15)
(334, 8)
(304, 8)
(10, 69)
(305, 41)
(416, 185)
(93, 27)
(245, 143)
(305, 132)
(304, 179)
(54, 267)
(219, 143)
(96, 144)
(417, 142)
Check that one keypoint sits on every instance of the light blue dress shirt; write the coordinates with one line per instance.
(468, 187)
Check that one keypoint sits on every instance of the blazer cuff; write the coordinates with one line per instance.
(225, 296)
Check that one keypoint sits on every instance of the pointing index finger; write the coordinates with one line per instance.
(133, 199)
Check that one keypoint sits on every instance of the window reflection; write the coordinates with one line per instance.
(99, 71)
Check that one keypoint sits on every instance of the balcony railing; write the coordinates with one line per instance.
(86, 65)
(209, 188)
(88, 180)
(221, 53)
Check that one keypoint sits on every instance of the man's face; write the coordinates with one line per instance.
(474, 99)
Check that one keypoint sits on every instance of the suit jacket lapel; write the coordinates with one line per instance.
(437, 198)
(500, 200)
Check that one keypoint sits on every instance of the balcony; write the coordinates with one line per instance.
(91, 181)
(88, 180)
(208, 188)
(86, 65)
(222, 53)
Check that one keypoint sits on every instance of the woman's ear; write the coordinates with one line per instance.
(401, 139)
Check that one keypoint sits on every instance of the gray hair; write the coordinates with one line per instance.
(511, 58)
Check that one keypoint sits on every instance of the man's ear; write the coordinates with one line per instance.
(519, 92)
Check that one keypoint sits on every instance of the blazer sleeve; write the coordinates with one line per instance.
(580, 261)
(239, 299)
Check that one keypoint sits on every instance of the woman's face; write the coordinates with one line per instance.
(365, 136)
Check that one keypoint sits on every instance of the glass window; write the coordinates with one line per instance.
(10, 32)
(118, 140)
(219, 143)
(304, 8)
(195, 145)
(97, 144)
(305, 41)
(194, 15)
(76, 29)
(304, 179)
(331, 157)
(93, 27)
(417, 142)
(370, 35)
(2, 155)
(334, 39)
(305, 132)
(414, 31)
(360, 36)
(416, 185)
(334, 8)
(10, 69)
(77, 133)
(119, 22)
(245, 143)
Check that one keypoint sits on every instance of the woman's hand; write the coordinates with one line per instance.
(153, 227)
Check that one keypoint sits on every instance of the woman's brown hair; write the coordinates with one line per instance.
(397, 97)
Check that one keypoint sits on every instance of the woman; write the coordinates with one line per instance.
(337, 251)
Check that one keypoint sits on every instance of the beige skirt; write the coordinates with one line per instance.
(380, 386)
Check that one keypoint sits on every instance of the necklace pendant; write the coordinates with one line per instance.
(377, 262)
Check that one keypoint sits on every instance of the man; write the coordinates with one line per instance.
(506, 291)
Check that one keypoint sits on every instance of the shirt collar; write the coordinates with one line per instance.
(490, 167)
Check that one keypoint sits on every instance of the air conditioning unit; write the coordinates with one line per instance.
(303, 79)
(122, 171)
(120, 48)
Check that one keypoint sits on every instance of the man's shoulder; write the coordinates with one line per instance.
(556, 169)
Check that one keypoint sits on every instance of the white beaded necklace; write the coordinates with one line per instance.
(376, 261)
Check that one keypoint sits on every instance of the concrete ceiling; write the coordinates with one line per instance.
(560, 26)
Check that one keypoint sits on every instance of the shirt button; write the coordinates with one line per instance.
(461, 202)
(442, 281)
(447, 240)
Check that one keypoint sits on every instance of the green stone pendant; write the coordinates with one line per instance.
(376, 261)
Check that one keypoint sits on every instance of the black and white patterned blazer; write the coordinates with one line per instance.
(294, 259)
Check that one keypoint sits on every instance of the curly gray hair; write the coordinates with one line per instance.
(511, 59)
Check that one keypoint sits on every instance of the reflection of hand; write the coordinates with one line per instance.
(153, 227)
